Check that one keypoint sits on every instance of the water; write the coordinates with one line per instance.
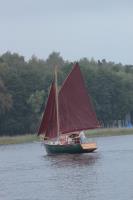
(27, 173)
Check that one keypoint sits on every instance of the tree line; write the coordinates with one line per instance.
(24, 87)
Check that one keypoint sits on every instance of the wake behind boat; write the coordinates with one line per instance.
(67, 114)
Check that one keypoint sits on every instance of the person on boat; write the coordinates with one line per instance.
(63, 139)
(82, 137)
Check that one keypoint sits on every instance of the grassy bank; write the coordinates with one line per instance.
(18, 139)
(109, 132)
(91, 133)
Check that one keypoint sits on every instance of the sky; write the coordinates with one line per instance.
(102, 29)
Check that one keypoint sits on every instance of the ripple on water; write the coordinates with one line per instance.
(27, 173)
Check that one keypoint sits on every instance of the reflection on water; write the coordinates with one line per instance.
(66, 160)
(27, 173)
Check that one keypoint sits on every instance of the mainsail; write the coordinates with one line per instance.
(75, 108)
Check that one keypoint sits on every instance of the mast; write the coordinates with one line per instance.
(57, 101)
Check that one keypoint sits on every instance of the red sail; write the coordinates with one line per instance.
(48, 125)
(75, 109)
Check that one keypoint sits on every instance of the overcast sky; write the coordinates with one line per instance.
(75, 28)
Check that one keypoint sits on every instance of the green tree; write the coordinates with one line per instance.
(5, 99)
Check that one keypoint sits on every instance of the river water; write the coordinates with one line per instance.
(27, 173)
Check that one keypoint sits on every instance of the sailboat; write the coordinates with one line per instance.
(68, 113)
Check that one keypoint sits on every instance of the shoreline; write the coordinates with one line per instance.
(104, 132)
(19, 139)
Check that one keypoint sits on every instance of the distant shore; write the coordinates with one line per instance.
(109, 132)
(18, 139)
(4, 140)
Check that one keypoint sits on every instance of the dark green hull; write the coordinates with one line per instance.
(69, 148)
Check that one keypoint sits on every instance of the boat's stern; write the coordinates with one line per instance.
(89, 146)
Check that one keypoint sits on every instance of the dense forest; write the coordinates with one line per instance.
(24, 87)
